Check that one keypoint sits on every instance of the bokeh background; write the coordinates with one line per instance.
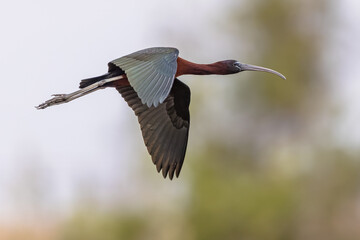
(267, 158)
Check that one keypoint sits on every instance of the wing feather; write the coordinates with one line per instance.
(138, 66)
(164, 128)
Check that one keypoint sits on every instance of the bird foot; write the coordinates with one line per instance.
(57, 99)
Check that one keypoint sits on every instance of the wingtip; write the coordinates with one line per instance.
(171, 175)
(164, 173)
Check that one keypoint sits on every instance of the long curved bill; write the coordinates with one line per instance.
(248, 67)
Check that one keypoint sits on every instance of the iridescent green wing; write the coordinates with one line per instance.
(151, 73)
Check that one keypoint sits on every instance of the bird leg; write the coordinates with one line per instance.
(64, 98)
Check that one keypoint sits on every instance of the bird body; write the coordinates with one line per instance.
(147, 80)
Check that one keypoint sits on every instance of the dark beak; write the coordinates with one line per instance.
(248, 67)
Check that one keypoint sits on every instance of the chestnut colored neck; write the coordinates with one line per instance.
(186, 67)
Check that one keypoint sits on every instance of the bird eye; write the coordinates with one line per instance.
(237, 65)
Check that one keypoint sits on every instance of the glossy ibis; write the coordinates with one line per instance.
(147, 80)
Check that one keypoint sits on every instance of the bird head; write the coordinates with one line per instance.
(236, 67)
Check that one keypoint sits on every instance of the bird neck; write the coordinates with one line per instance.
(186, 67)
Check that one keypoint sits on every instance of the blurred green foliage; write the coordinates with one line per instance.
(91, 225)
(288, 36)
(234, 203)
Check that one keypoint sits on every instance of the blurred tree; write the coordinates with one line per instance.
(240, 191)
(290, 36)
(93, 225)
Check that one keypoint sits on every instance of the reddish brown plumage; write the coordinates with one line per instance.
(186, 67)
(124, 82)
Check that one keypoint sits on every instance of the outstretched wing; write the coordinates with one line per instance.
(164, 128)
(151, 73)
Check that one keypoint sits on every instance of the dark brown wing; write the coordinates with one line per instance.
(164, 128)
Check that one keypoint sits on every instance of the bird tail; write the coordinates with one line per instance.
(88, 81)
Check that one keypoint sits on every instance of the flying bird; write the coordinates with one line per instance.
(148, 81)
